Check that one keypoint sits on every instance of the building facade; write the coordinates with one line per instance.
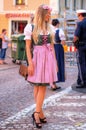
(69, 7)
(67, 12)
(14, 14)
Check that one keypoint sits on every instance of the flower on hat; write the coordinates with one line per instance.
(47, 7)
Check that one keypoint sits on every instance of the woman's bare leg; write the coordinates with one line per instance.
(40, 98)
(36, 88)
(39, 94)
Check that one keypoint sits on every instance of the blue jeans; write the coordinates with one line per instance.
(2, 54)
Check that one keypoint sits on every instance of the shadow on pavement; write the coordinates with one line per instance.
(81, 90)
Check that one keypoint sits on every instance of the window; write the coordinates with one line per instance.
(20, 2)
(17, 27)
(82, 4)
(74, 4)
(67, 4)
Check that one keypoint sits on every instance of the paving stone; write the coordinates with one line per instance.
(67, 112)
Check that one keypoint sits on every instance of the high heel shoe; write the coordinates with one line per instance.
(54, 87)
(43, 120)
(38, 124)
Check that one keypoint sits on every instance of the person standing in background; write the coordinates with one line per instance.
(79, 41)
(59, 52)
(5, 41)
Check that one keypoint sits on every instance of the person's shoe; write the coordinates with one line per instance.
(38, 124)
(43, 120)
(5, 62)
(55, 87)
(80, 86)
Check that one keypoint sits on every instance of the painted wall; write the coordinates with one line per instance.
(8, 6)
(3, 22)
(30, 5)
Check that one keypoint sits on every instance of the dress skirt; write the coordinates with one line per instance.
(45, 65)
(59, 51)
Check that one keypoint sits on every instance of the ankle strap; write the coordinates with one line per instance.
(36, 112)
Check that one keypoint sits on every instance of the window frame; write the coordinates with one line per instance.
(82, 4)
(75, 5)
(67, 6)
(22, 2)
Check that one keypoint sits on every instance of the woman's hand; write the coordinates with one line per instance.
(31, 68)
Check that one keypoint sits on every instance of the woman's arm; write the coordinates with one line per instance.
(29, 57)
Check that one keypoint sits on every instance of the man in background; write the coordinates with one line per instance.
(80, 43)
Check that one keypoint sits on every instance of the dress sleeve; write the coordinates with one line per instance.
(28, 32)
(62, 35)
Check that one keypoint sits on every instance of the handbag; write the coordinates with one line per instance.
(23, 69)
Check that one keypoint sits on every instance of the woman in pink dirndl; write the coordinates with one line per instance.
(42, 69)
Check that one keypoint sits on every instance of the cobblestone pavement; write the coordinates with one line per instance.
(64, 109)
(66, 112)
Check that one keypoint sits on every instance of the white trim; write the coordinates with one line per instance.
(26, 3)
(1, 5)
(14, 2)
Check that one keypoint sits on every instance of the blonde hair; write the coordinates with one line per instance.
(40, 23)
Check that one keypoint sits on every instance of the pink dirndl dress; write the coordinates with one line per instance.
(45, 72)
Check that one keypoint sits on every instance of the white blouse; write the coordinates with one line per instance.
(28, 32)
(61, 34)
(6, 42)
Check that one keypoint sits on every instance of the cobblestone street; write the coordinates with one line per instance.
(63, 111)
(64, 108)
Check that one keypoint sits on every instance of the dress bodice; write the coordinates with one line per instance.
(43, 39)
